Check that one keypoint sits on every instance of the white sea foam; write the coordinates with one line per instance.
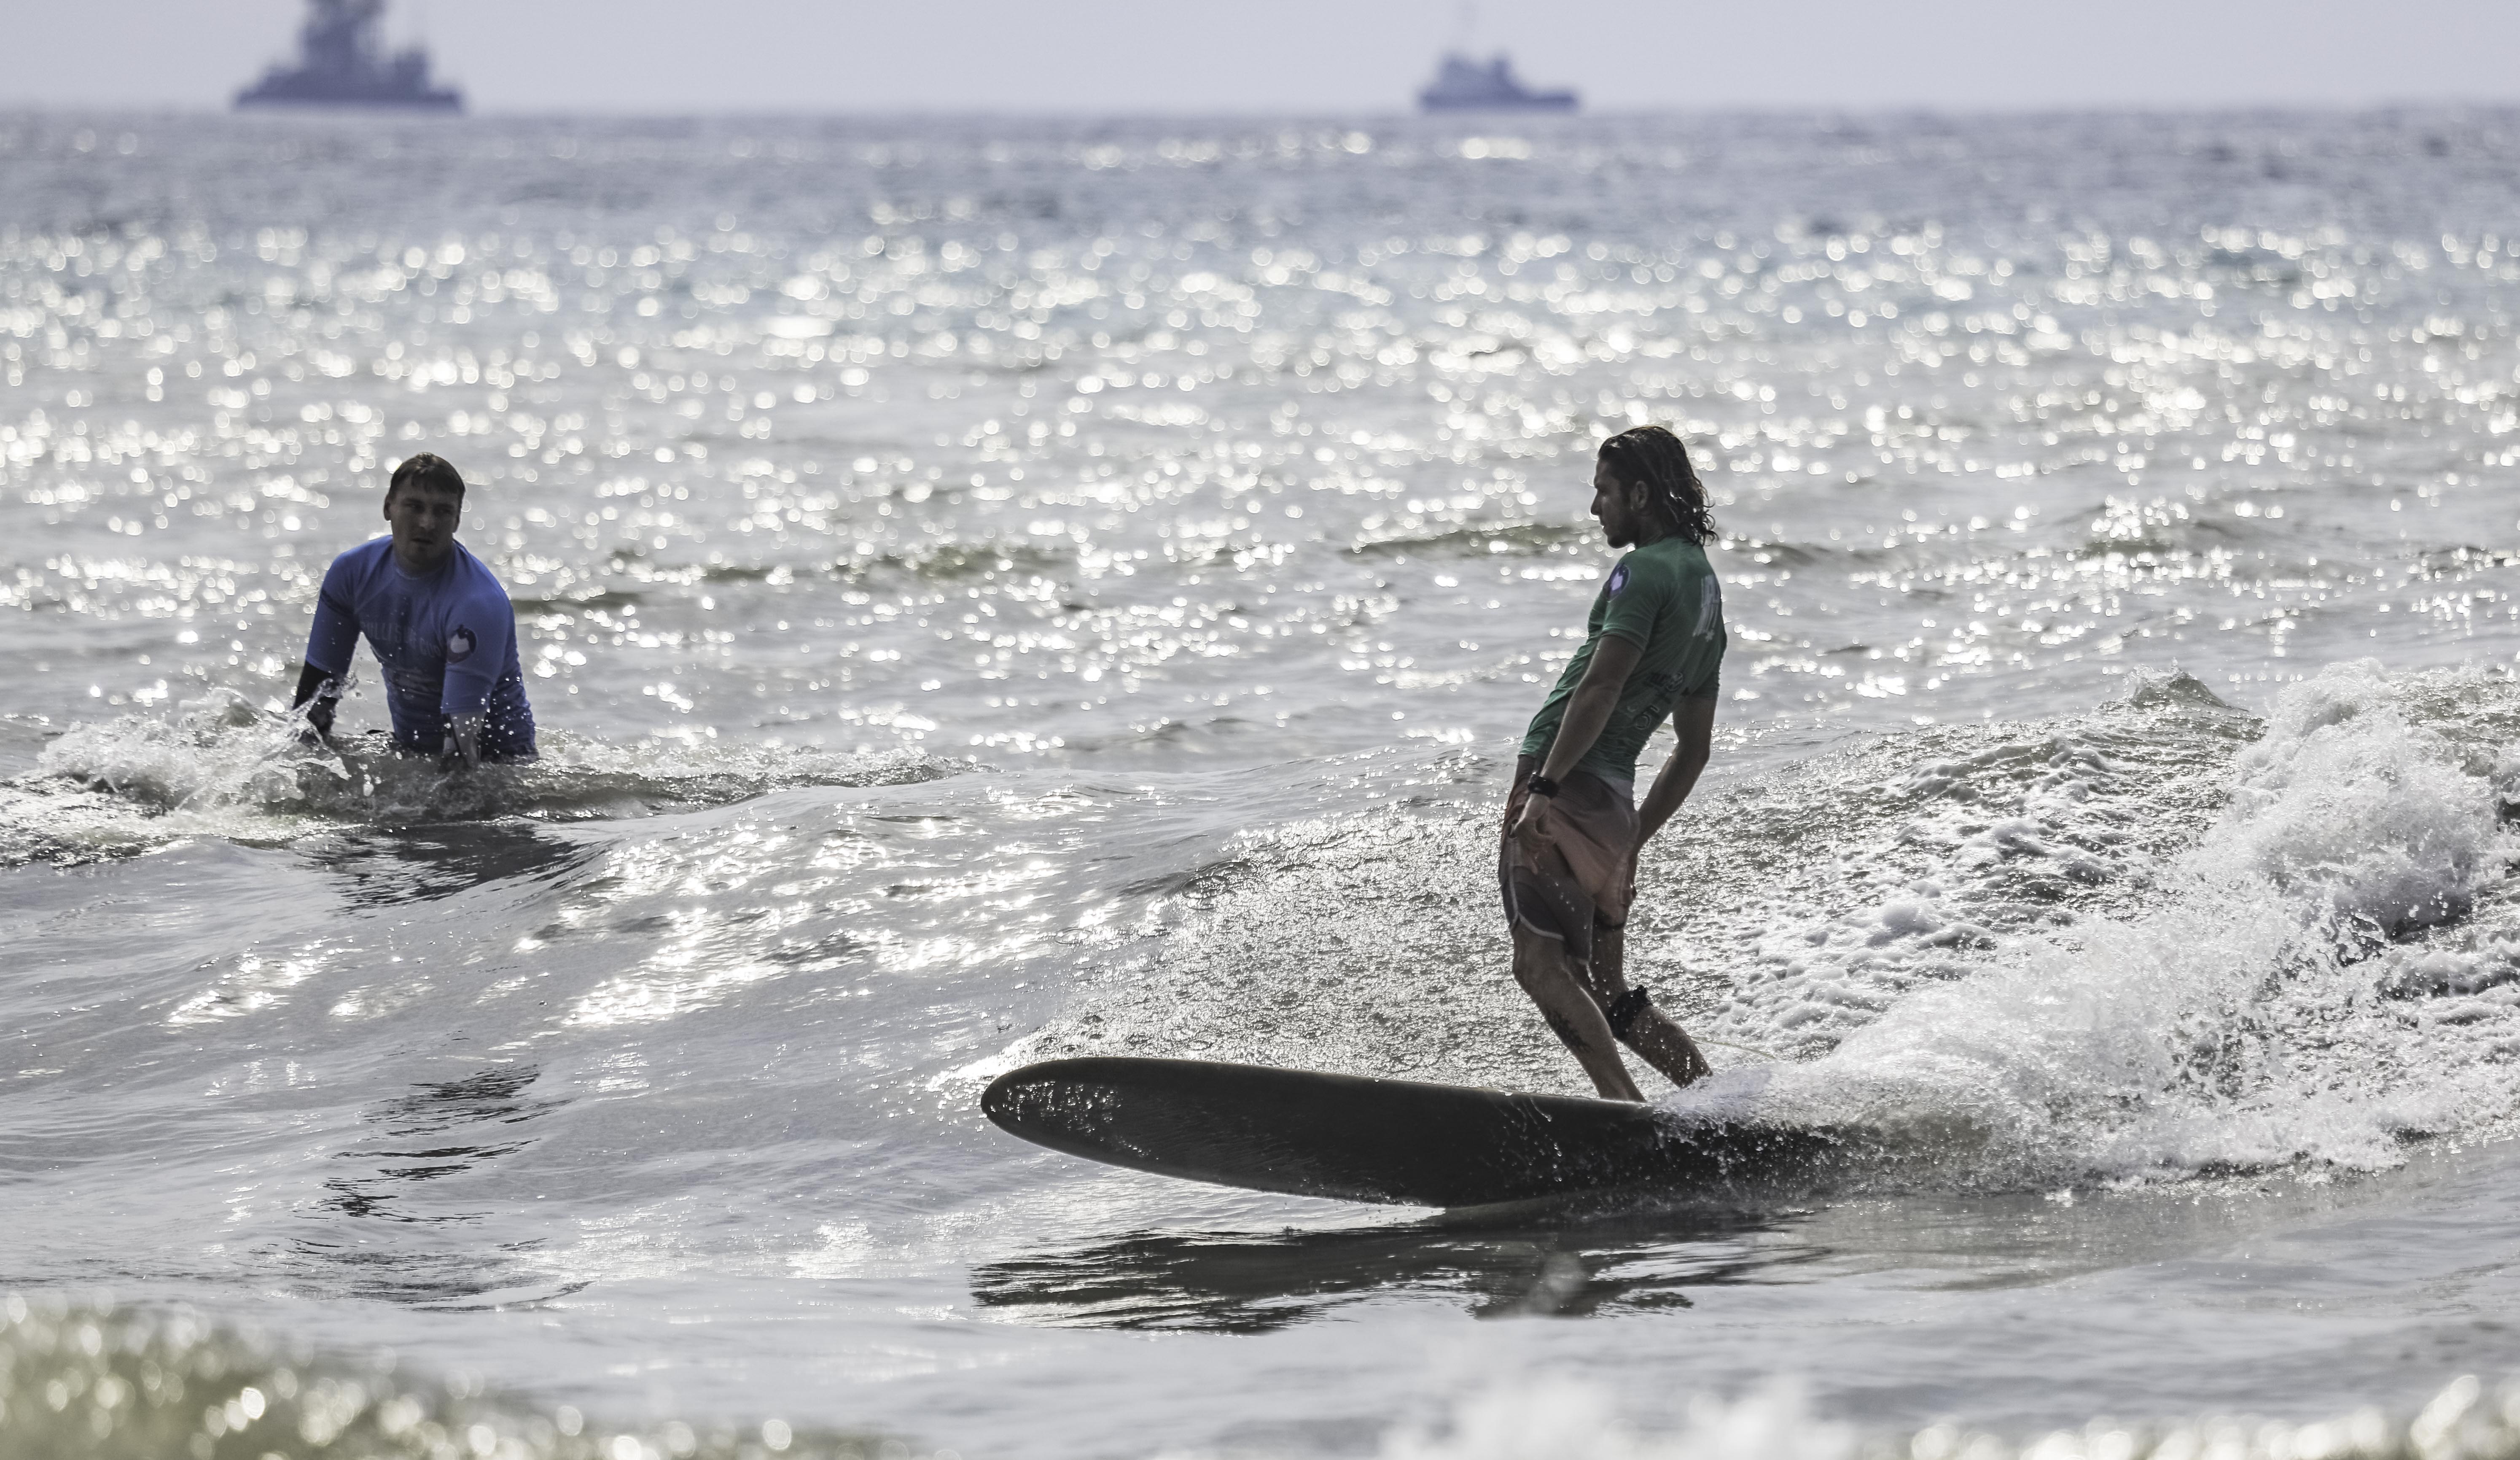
(2349, 806)
(220, 766)
(1579, 1421)
(219, 749)
(1574, 1419)
(2238, 1021)
(1936, 852)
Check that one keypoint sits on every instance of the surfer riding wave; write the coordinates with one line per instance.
(1567, 858)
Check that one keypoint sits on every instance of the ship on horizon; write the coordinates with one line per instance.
(342, 62)
(1462, 84)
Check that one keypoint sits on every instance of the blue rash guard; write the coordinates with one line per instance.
(447, 642)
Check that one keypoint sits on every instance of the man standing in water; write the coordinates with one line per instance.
(1572, 830)
(439, 622)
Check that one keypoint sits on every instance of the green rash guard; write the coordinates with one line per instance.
(1662, 598)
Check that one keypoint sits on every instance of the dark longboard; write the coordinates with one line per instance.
(1398, 1141)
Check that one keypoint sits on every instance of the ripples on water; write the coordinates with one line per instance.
(966, 435)
(996, 590)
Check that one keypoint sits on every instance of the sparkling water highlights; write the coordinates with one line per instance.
(793, 428)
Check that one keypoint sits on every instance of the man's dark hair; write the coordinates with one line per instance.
(430, 469)
(1652, 458)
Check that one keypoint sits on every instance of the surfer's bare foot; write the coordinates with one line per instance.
(1551, 978)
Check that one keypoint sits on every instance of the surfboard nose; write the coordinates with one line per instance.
(1006, 1094)
(1051, 1104)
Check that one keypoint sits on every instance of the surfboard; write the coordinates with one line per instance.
(1394, 1141)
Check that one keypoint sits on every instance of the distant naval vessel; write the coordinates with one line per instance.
(342, 62)
(1462, 84)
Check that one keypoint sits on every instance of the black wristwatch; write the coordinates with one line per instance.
(1541, 785)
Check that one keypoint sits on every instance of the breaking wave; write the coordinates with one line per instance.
(2324, 974)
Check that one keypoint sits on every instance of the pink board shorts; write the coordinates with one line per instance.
(1582, 877)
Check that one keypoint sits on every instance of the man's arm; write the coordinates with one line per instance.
(464, 741)
(464, 698)
(324, 688)
(310, 679)
(1587, 710)
(331, 639)
(1695, 722)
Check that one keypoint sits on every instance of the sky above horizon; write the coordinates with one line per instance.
(1303, 55)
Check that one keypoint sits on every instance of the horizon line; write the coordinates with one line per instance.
(196, 109)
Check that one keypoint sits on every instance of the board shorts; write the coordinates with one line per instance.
(1582, 878)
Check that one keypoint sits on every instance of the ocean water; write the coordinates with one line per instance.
(1002, 588)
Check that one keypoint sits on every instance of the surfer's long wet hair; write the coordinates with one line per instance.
(1652, 458)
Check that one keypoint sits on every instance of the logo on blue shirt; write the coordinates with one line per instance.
(459, 646)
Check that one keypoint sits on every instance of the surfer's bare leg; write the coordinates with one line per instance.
(1552, 980)
(1655, 1036)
